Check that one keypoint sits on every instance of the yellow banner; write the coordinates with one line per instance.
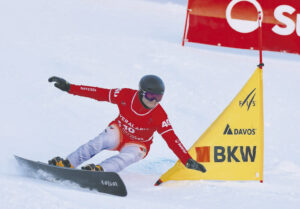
(232, 147)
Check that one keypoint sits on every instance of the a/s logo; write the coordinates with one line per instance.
(249, 100)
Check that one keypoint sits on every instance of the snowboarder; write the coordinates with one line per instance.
(131, 133)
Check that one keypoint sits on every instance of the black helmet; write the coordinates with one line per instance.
(152, 83)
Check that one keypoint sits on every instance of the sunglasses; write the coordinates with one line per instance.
(151, 96)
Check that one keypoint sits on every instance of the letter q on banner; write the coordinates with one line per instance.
(242, 26)
(234, 23)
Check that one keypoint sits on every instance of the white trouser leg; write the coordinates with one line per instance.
(129, 154)
(108, 139)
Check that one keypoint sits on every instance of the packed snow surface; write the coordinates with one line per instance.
(113, 44)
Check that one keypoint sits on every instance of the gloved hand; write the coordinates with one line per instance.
(60, 83)
(192, 164)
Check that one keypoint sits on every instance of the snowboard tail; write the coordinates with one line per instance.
(105, 182)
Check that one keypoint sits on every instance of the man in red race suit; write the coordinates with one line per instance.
(131, 133)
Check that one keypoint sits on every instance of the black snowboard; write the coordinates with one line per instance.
(106, 182)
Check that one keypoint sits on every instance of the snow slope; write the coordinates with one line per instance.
(113, 44)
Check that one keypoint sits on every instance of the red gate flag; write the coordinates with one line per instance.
(233, 23)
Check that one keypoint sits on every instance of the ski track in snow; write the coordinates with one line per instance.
(112, 44)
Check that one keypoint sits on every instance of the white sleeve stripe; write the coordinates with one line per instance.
(109, 96)
(166, 131)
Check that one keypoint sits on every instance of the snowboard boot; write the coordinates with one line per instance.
(60, 162)
(92, 167)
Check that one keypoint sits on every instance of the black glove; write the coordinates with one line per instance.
(60, 83)
(192, 164)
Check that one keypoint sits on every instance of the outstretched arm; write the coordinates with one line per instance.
(165, 129)
(99, 94)
(175, 144)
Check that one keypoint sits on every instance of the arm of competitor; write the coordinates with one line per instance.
(99, 94)
(177, 147)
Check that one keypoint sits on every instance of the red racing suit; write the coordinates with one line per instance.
(137, 123)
